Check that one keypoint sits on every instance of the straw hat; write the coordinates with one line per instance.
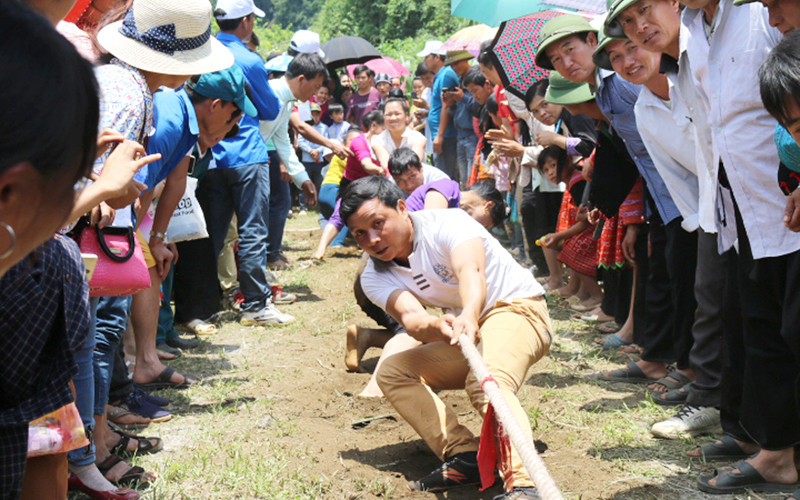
(172, 38)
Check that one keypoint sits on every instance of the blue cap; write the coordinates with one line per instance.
(228, 85)
(788, 150)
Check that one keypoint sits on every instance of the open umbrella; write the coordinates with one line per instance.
(590, 6)
(494, 12)
(470, 39)
(387, 65)
(514, 51)
(345, 50)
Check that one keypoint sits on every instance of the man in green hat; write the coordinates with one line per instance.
(567, 44)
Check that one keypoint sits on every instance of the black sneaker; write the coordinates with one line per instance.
(459, 470)
(523, 493)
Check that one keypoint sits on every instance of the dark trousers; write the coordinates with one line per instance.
(618, 288)
(245, 191)
(733, 355)
(668, 283)
(539, 212)
(770, 296)
(280, 203)
(447, 161)
(196, 287)
(121, 385)
(709, 291)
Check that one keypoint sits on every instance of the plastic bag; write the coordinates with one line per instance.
(57, 432)
(187, 222)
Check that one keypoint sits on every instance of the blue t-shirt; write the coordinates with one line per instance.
(445, 79)
(176, 132)
(248, 146)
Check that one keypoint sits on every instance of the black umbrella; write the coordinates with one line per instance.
(345, 50)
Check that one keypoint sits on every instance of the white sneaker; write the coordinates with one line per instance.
(690, 421)
(270, 315)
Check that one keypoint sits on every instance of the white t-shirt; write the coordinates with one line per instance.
(410, 138)
(430, 277)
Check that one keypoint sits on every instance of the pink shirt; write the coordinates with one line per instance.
(354, 170)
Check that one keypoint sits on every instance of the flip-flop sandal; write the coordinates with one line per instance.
(581, 307)
(134, 478)
(114, 413)
(587, 318)
(613, 342)
(670, 398)
(727, 449)
(608, 327)
(631, 374)
(795, 496)
(673, 381)
(748, 478)
(163, 381)
(145, 447)
(200, 327)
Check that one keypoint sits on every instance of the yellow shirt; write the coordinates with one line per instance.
(335, 171)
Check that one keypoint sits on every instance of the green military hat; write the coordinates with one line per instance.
(600, 55)
(556, 29)
(564, 92)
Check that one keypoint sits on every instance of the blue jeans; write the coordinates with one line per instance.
(166, 319)
(280, 202)
(327, 204)
(110, 316)
(84, 395)
(447, 162)
(465, 151)
(245, 191)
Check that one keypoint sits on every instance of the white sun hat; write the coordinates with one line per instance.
(171, 38)
(236, 9)
(306, 42)
(432, 47)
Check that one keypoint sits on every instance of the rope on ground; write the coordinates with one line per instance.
(532, 461)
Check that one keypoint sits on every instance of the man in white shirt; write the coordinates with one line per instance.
(726, 46)
(684, 165)
(444, 258)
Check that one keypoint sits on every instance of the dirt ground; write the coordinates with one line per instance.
(273, 417)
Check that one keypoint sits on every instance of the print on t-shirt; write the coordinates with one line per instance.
(443, 272)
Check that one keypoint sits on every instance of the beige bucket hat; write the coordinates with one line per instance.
(172, 38)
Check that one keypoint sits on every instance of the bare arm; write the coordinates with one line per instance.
(434, 199)
(382, 154)
(328, 234)
(407, 310)
(469, 265)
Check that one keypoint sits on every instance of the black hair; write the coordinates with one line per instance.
(308, 65)
(59, 135)
(397, 94)
(362, 68)
(366, 189)
(422, 69)
(291, 51)
(484, 56)
(401, 159)
(335, 107)
(255, 40)
(228, 25)
(488, 192)
(780, 78)
(538, 89)
(370, 118)
(491, 104)
(326, 83)
(474, 76)
(273, 55)
(400, 100)
(417, 78)
(556, 153)
(353, 130)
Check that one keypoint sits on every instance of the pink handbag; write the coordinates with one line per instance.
(121, 269)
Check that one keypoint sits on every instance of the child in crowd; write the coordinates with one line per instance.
(338, 126)
(574, 231)
(384, 84)
(315, 157)
(323, 97)
(362, 163)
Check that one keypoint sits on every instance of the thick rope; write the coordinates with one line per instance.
(533, 463)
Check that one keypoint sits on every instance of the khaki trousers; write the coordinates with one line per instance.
(514, 336)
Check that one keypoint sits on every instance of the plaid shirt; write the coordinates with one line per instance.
(44, 320)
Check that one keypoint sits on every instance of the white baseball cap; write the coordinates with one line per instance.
(432, 47)
(235, 9)
(306, 42)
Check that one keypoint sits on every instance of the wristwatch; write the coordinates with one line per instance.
(158, 234)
